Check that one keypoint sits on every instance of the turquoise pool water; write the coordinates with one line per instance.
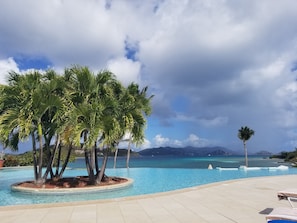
(149, 175)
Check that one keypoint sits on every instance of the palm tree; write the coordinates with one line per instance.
(94, 115)
(83, 119)
(244, 134)
(22, 113)
(134, 106)
(136, 122)
(53, 120)
(110, 93)
(30, 104)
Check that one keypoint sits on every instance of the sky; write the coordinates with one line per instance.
(212, 66)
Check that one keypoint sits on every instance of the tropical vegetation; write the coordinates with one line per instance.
(77, 109)
(244, 134)
(287, 156)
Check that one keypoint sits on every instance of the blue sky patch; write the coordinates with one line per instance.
(131, 49)
(27, 62)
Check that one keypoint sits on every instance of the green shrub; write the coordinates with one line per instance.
(11, 160)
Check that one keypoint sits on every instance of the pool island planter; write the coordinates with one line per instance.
(60, 191)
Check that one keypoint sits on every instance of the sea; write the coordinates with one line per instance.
(191, 162)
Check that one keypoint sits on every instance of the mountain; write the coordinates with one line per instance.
(188, 151)
(263, 153)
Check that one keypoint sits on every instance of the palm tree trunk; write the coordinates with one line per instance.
(245, 153)
(59, 155)
(103, 167)
(96, 158)
(115, 158)
(66, 162)
(39, 175)
(34, 156)
(128, 152)
(49, 167)
(89, 168)
(92, 158)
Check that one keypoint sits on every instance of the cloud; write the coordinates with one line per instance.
(191, 140)
(63, 31)
(126, 70)
(233, 62)
(160, 141)
(6, 66)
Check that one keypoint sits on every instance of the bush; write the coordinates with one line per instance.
(11, 160)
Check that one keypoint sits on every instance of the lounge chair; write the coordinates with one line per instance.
(288, 194)
(282, 214)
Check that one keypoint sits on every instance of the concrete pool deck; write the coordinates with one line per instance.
(244, 201)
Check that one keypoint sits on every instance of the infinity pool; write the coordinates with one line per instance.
(146, 181)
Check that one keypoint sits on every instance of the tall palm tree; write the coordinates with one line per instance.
(29, 105)
(53, 120)
(110, 94)
(83, 119)
(22, 113)
(94, 115)
(244, 134)
(136, 121)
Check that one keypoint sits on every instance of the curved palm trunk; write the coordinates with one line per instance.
(89, 167)
(101, 174)
(65, 163)
(88, 161)
(115, 158)
(59, 156)
(102, 170)
(49, 167)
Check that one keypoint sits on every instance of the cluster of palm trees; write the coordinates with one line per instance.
(77, 109)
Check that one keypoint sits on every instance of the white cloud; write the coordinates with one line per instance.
(191, 140)
(159, 140)
(126, 70)
(6, 66)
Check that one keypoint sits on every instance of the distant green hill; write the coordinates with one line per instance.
(188, 151)
(287, 156)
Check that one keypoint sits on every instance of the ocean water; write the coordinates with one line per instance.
(187, 162)
(150, 175)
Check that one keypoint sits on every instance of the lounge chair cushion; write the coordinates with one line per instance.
(284, 194)
(283, 213)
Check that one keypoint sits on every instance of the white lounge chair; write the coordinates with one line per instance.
(288, 194)
(282, 213)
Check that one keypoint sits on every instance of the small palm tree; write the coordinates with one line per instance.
(244, 134)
